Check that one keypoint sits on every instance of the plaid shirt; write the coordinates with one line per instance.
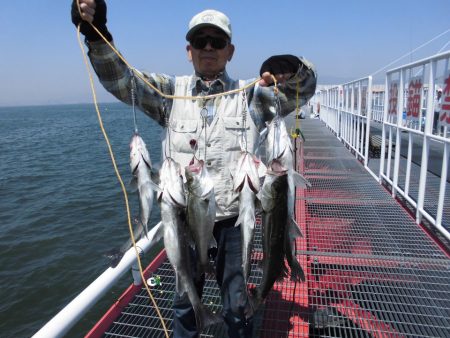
(117, 79)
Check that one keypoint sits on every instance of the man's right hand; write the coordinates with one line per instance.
(92, 11)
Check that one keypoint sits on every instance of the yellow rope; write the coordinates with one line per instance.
(130, 227)
(174, 97)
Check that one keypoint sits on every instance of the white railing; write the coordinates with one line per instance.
(410, 88)
(404, 109)
(356, 115)
(60, 324)
(348, 110)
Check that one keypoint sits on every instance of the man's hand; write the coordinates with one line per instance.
(282, 67)
(87, 8)
(92, 12)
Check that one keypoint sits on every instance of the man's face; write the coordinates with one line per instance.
(209, 60)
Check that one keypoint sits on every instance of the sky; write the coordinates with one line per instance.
(41, 62)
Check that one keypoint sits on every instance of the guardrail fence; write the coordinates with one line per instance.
(400, 131)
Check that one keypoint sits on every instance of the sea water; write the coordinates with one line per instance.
(62, 208)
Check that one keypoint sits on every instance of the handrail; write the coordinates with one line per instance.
(74, 311)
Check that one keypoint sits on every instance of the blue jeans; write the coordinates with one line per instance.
(228, 261)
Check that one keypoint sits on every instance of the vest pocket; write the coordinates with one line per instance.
(233, 132)
(183, 131)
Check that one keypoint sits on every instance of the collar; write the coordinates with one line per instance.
(199, 85)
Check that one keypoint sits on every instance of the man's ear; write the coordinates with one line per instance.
(189, 53)
(230, 51)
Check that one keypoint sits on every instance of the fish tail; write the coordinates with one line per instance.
(114, 256)
(297, 273)
(204, 317)
(254, 299)
(205, 268)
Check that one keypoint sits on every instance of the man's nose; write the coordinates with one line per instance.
(208, 45)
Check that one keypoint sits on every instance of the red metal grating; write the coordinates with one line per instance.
(370, 270)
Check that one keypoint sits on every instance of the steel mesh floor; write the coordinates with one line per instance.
(370, 270)
(432, 187)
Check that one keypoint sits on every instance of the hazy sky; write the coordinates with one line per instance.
(41, 63)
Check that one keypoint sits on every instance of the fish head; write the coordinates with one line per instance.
(171, 183)
(138, 152)
(247, 173)
(198, 180)
(278, 139)
(193, 172)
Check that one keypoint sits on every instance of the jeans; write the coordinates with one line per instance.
(233, 290)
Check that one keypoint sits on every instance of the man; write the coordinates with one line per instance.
(209, 49)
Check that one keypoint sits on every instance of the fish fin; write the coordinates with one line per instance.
(204, 317)
(114, 256)
(297, 273)
(205, 268)
(299, 180)
(294, 229)
(178, 199)
(140, 228)
(156, 233)
(212, 243)
(262, 169)
(133, 184)
(154, 186)
(240, 220)
(238, 177)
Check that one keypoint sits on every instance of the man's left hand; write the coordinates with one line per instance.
(282, 67)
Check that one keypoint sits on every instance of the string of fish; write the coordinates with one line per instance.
(133, 97)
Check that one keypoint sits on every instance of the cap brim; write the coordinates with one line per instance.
(193, 30)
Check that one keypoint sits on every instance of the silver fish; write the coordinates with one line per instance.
(246, 183)
(283, 151)
(279, 146)
(201, 210)
(141, 167)
(274, 193)
(172, 201)
(278, 201)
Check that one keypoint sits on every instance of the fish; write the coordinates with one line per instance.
(141, 169)
(201, 211)
(277, 197)
(273, 197)
(279, 146)
(172, 201)
(246, 183)
(282, 149)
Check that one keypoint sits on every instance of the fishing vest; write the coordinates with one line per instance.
(218, 142)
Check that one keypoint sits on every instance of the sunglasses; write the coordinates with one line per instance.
(200, 42)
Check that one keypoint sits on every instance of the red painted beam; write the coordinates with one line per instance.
(115, 310)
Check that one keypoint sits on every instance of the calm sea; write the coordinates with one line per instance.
(61, 208)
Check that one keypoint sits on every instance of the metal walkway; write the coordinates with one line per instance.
(370, 270)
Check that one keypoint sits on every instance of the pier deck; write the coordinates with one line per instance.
(371, 271)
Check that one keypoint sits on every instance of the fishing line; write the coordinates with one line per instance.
(122, 185)
(133, 100)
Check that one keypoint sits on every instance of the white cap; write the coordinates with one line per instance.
(211, 18)
(439, 89)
